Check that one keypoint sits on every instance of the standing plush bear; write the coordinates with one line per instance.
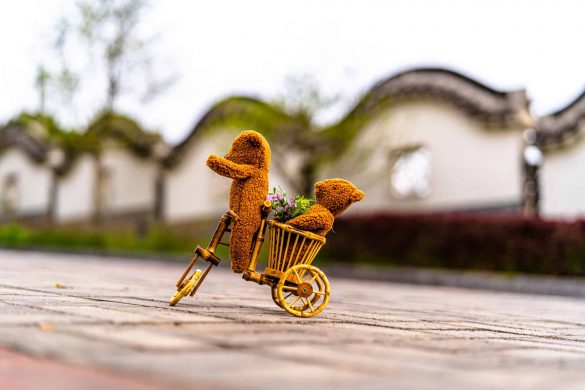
(247, 163)
(333, 197)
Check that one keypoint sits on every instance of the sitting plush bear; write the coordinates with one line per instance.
(247, 163)
(333, 197)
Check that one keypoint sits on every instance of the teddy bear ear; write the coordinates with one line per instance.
(253, 140)
(357, 195)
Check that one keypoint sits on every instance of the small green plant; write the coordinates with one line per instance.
(286, 208)
(14, 235)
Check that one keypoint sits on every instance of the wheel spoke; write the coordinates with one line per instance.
(288, 296)
(302, 274)
(319, 292)
(314, 277)
(308, 303)
(289, 288)
(294, 301)
(297, 275)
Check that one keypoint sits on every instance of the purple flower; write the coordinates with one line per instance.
(279, 196)
(291, 202)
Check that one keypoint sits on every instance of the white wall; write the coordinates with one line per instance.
(33, 181)
(132, 180)
(562, 181)
(75, 197)
(472, 167)
(193, 190)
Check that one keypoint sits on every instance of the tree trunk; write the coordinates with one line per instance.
(159, 195)
(52, 206)
(308, 173)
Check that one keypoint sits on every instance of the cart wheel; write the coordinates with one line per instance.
(313, 291)
(314, 299)
(185, 288)
(275, 296)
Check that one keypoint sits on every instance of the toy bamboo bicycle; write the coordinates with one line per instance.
(297, 286)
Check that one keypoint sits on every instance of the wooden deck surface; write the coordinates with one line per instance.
(106, 323)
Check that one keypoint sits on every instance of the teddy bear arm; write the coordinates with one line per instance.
(312, 221)
(229, 168)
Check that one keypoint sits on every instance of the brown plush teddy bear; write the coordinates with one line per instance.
(247, 163)
(333, 197)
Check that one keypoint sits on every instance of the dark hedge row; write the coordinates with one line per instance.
(508, 243)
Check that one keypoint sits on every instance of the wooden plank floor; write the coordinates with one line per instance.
(110, 321)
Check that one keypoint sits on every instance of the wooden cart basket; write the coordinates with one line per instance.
(289, 247)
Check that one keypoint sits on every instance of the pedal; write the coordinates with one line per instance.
(201, 279)
(185, 290)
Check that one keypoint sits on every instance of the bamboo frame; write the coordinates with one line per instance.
(187, 287)
(290, 255)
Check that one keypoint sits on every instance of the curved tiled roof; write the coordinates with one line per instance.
(505, 108)
(14, 135)
(561, 127)
(36, 134)
(124, 129)
(472, 97)
(247, 111)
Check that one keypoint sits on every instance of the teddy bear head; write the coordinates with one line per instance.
(250, 148)
(337, 195)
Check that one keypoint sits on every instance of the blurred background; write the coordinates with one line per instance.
(461, 121)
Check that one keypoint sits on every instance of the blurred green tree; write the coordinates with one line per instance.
(304, 145)
(42, 81)
(117, 51)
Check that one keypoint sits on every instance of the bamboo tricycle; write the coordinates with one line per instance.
(297, 286)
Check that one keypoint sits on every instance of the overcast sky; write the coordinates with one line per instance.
(248, 47)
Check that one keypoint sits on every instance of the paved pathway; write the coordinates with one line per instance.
(109, 325)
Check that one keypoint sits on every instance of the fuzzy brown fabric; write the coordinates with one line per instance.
(333, 197)
(247, 163)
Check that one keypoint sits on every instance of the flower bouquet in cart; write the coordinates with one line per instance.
(285, 207)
